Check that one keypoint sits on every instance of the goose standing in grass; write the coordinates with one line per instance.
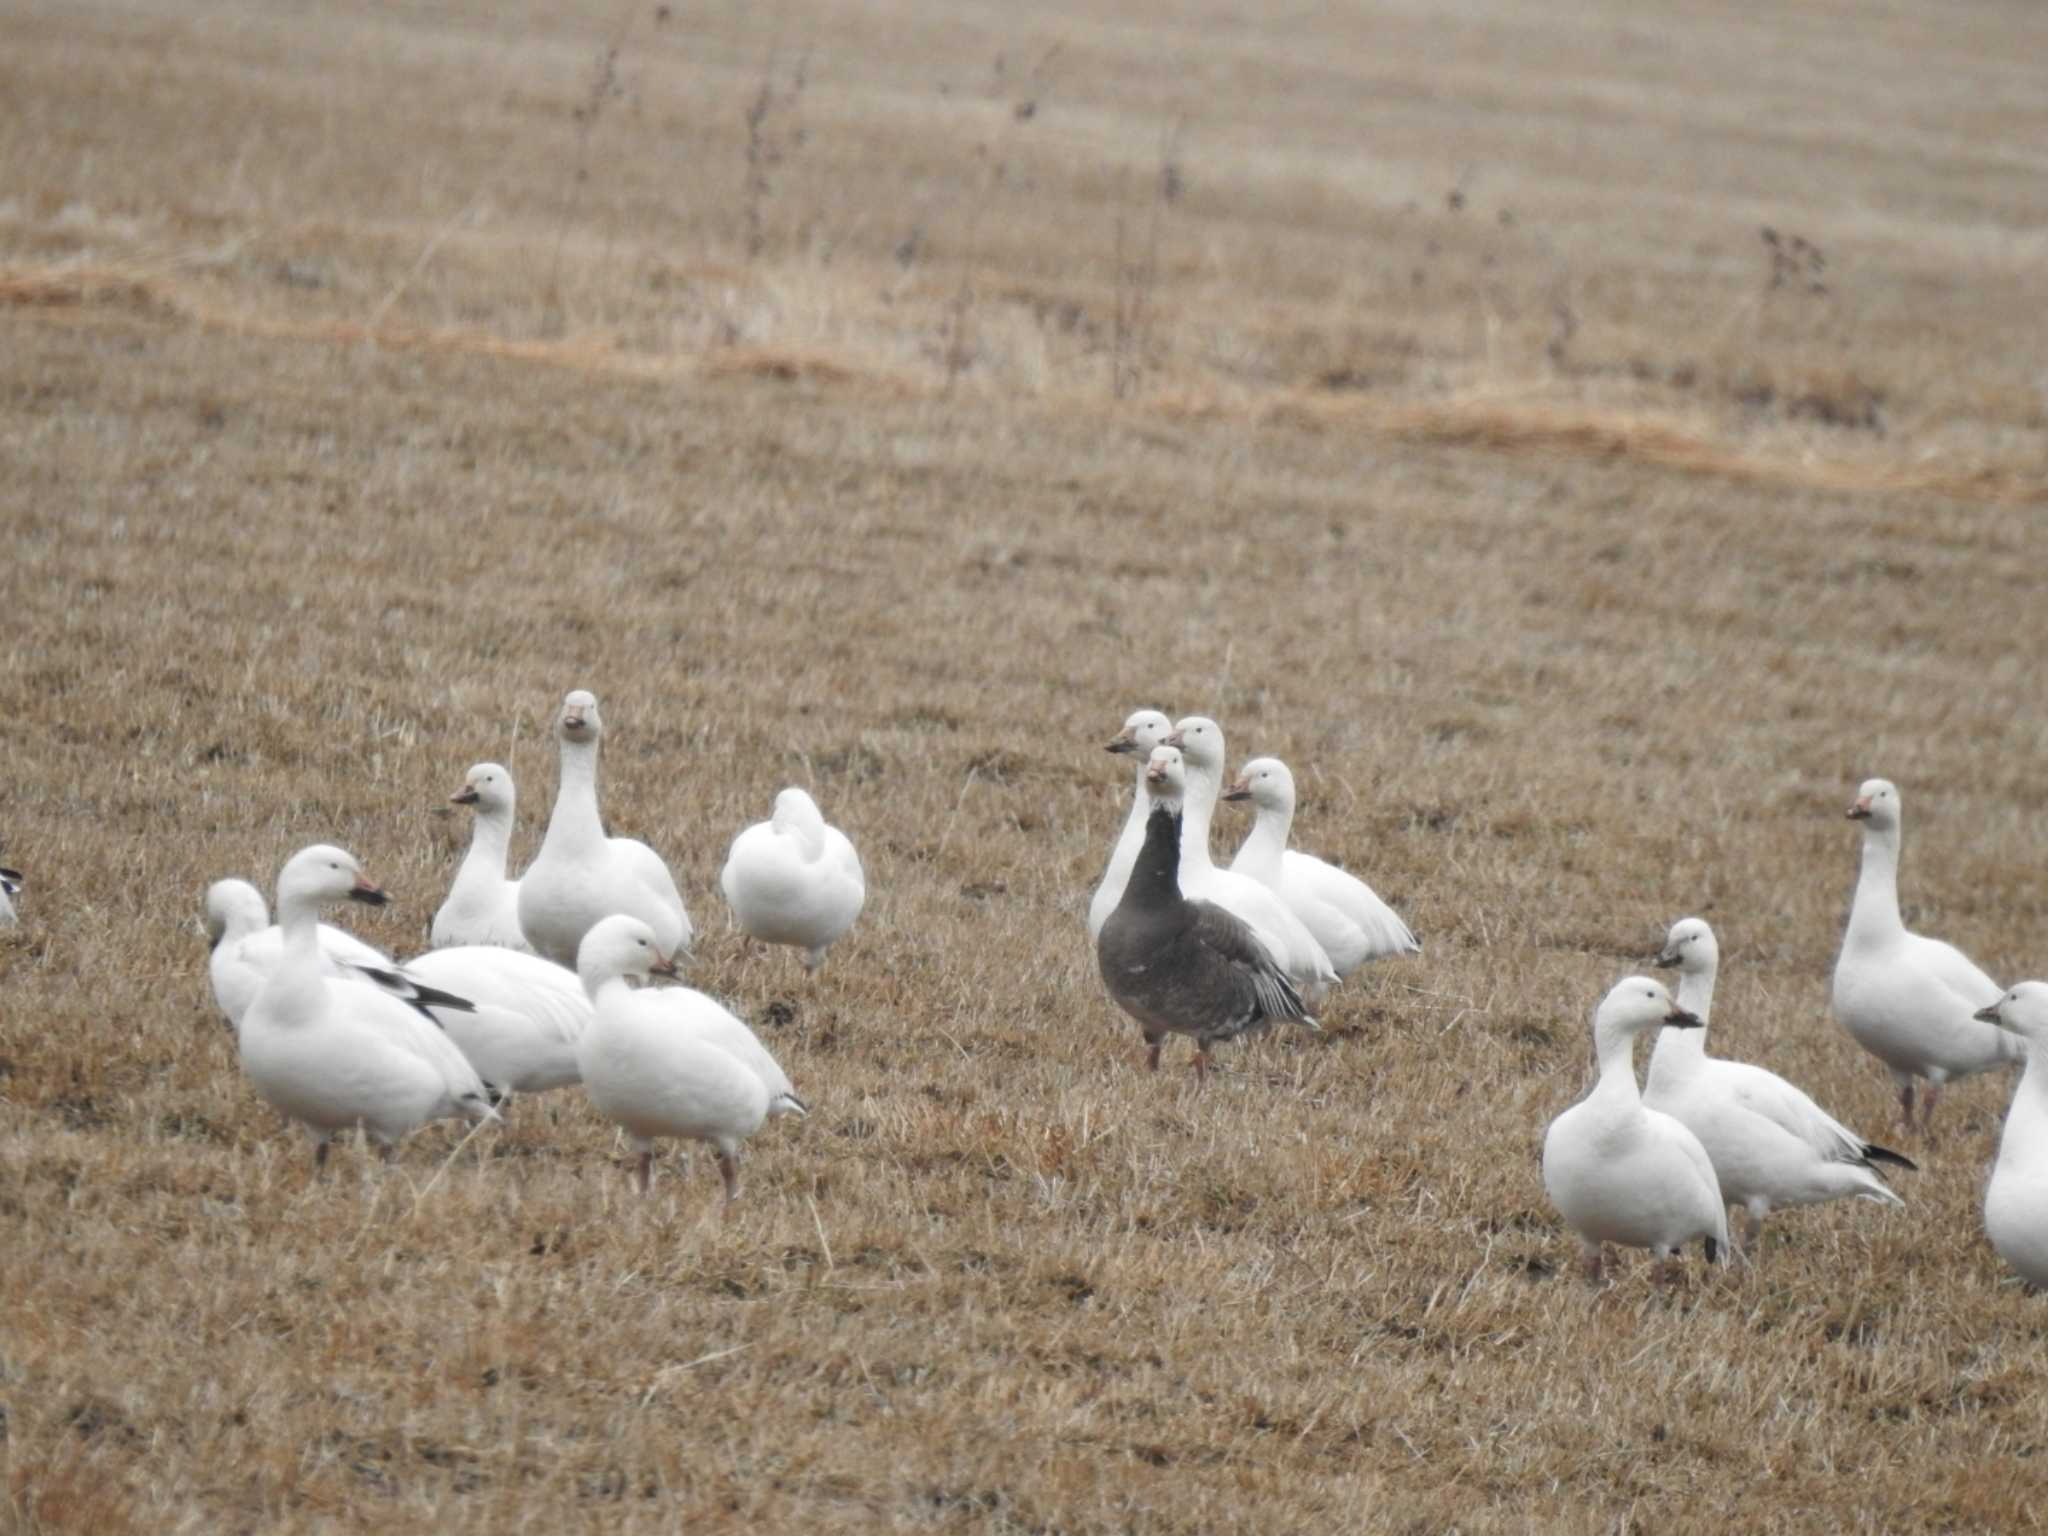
(332, 1053)
(11, 883)
(1180, 966)
(581, 875)
(1619, 1172)
(1142, 731)
(1910, 1001)
(1770, 1144)
(483, 905)
(1345, 915)
(794, 879)
(2016, 1199)
(526, 1018)
(247, 946)
(647, 1069)
(1200, 742)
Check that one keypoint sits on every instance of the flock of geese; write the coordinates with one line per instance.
(1187, 948)
(532, 984)
(543, 981)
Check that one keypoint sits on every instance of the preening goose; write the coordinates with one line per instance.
(652, 1076)
(1342, 912)
(1619, 1172)
(1908, 1000)
(2016, 1199)
(581, 875)
(1186, 967)
(483, 905)
(794, 879)
(333, 1053)
(1771, 1145)
(1200, 742)
(1142, 731)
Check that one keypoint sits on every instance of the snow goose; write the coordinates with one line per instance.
(1618, 1172)
(1771, 1145)
(581, 874)
(794, 879)
(332, 1053)
(247, 946)
(651, 1076)
(1345, 915)
(10, 887)
(482, 905)
(1908, 1000)
(2016, 1199)
(1180, 966)
(526, 1017)
(1144, 730)
(1200, 742)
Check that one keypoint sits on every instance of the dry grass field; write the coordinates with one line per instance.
(887, 399)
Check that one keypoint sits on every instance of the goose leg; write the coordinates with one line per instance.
(1152, 1045)
(643, 1171)
(320, 1155)
(729, 1170)
(1201, 1065)
(1594, 1260)
(1906, 1102)
(1927, 1109)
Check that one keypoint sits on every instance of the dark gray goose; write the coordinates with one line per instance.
(1179, 966)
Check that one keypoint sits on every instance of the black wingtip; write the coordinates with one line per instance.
(1877, 1154)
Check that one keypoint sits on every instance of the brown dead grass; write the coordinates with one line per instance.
(300, 524)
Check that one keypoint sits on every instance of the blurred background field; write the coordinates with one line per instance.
(1583, 444)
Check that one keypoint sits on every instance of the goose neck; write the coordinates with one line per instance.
(1265, 843)
(1198, 809)
(1874, 913)
(575, 818)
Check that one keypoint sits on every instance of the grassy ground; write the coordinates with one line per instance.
(888, 400)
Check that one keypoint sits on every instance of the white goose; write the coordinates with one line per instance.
(1200, 742)
(581, 875)
(2016, 1199)
(482, 905)
(10, 887)
(247, 947)
(1908, 1000)
(331, 1053)
(528, 1014)
(794, 879)
(1620, 1173)
(652, 1073)
(1142, 731)
(1345, 915)
(1771, 1145)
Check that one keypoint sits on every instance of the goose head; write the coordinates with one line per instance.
(1266, 782)
(1200, 740)
(234, 910)
(488, 787)
(2023, 1010)
(1166, 775)
(324, 874)
(620, 946)
(1144, 730)
(1636, 1006)
(1876, 804)
(1689, 947)
(578, 721)
(797, 816)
